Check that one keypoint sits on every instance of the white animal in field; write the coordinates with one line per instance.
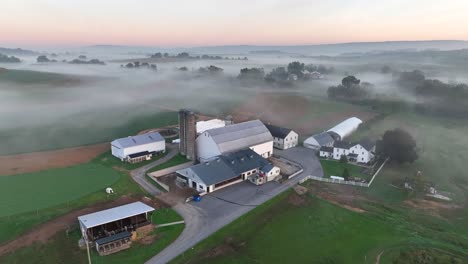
(109, 190)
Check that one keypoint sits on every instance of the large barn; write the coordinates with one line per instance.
(138, 148)
(229, 169)
(345, 128)
(111, 230)
(251, 134)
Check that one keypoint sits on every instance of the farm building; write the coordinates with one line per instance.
(251, 134)
(228, 169)
(111, 230)
(283, 138)
(345, 128)
(317, 141)
(361, 152)
(138, 148)
(202, 126)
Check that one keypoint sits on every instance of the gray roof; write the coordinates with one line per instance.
(114, 214)
(326, 149)
(240, 136)
(113, 238)
(342, 144)
(367, 144)
(137, 140)
(278, 132)
(225, 167)
(323, 138)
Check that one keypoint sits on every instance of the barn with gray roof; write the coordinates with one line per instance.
(138, 148)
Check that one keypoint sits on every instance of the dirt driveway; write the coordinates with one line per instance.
(36, 161)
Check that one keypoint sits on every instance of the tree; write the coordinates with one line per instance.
(343, 159)
(277, 75)
(183, 68)
(157, 55)
(82, 57)
(183, 55)
(11, 59)
(252, 74)
(350, 81)
(297, 68)
(398, 145)
(345, 174)
(386, 69)
(42, 58)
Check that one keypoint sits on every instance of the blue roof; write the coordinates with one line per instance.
(137, 140)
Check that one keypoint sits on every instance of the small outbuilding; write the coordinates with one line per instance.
(283, 138)
(138, 148)
(317, 141)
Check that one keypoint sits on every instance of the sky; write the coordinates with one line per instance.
(169, 23)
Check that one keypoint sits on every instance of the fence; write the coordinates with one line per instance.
(360, 184)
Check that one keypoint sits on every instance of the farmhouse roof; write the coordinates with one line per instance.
(342, 144)
(326, 149)
(367, 144)
(226, 167)
(278, 132)
(240, 136)
(137, 140)
(114, 214)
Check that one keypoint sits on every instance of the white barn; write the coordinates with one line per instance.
(202, 126)
(345, 128)
(251, 134)
(284, 138)
(138, 148)
(317, 141)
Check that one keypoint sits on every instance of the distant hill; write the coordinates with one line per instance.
(17, 51)
(320, 49)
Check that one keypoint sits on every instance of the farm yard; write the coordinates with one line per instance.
(336, 168)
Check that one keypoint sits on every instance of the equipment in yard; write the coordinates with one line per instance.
(196, 198)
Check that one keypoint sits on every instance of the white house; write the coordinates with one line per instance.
(317, 141)
(251, 134)
(138, 148)
(341, 148)
(228, 169)
(363, 151)
(283, 138)
(345, 128)
(326, 152)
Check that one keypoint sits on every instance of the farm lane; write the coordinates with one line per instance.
(212, 213)
(138, 175)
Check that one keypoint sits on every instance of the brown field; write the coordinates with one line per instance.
(43, 160)
(293, 111)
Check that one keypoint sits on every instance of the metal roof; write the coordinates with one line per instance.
(367, 144)
(326, 149)
(225, 167)
(202, 126)
(346, 127)
(321, 139)
(343, 145)
(137, 140)
(114, 214)
(240, 136)
(278, 132)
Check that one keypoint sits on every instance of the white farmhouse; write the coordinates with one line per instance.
(251, 134)
(283, 138)
(362, 152)
(138, 148)
(341, 148)
(345, 128)
(326, 152)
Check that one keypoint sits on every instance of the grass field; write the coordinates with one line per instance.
(82, 129)
(336, 168)
(176, 160)
(63, 248)
(319, 232)
(55, 192)
(37, 77)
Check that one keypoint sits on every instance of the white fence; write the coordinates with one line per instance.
(329, 180)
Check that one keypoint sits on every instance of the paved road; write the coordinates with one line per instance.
(139, 174)
(224, 206)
